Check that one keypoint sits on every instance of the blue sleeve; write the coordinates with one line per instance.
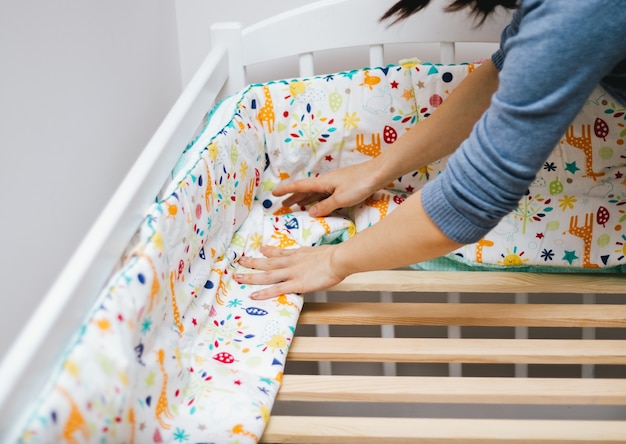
(554, 53)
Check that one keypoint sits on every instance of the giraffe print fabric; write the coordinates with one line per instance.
(175, 350)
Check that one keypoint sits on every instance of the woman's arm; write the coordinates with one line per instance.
(425, 143)
(443, 131)
(405, 236)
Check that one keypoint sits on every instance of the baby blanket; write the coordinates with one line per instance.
(174, 350)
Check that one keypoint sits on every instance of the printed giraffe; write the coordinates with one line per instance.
(282, 300)
(239, 430)
(583, 143)
(284, 241)
(282, 210)
(208, 191)
(266, 113)
(381, 204)
(162, 407)
(131, 421)
(372, 149)
(222, 291)
(179, 324)
(324, 224)
(154, 289)
(479, 248)
(249, 194)
(75, 421)
(584, 232)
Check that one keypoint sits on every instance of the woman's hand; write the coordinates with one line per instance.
(299, 270)
(339, 188)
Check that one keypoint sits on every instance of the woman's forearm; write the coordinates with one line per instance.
(406, 236)
(435, 137)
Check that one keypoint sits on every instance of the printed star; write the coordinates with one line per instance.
(194, 322)
(618, 175)
(394, 85)
(420, 84)
(268, 184)
(206, 306)
(571, 167)
(329, 158)
(237, 382)
(570, 256)
(539, 235)
(408, 94)
(409, 189)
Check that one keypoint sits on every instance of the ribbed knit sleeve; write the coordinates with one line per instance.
(554, 53)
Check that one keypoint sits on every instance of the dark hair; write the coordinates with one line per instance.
(480, 8)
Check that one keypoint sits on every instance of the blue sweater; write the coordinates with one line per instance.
(551, 57)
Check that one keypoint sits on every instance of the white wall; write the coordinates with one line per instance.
(83, 85)
(196, 16)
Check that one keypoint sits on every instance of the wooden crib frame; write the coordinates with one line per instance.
(320, 26)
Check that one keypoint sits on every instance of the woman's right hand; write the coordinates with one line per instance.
(339, 188)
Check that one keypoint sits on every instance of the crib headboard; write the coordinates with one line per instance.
(332, 24)
(320, 26)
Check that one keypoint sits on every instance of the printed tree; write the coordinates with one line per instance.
(532, 208)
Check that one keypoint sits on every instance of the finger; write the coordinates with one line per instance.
(270, 252)
(273, 291)
(303, 199)
(324, 207)
(263, 278)
(311, 185)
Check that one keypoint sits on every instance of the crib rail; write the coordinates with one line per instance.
(328, 392)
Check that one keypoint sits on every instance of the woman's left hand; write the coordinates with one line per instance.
(299, 270)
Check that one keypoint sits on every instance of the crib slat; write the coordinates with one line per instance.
(512, 351)
(507, 315)
(483, 282)
(482, 390)
(346, 430)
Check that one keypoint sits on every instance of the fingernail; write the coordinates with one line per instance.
(254, 296)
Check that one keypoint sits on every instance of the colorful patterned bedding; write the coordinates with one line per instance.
(176, 351)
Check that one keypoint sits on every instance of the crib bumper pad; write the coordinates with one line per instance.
(174, 350)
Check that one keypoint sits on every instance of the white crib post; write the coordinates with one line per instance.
(377, 55)
(306, 65)
(229, 36)
(447, 52)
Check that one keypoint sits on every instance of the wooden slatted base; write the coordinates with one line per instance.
(562, 392)
(480, 351)
(571, 391)
(347, 430)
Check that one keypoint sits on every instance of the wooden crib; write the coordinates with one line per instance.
(444, 380)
